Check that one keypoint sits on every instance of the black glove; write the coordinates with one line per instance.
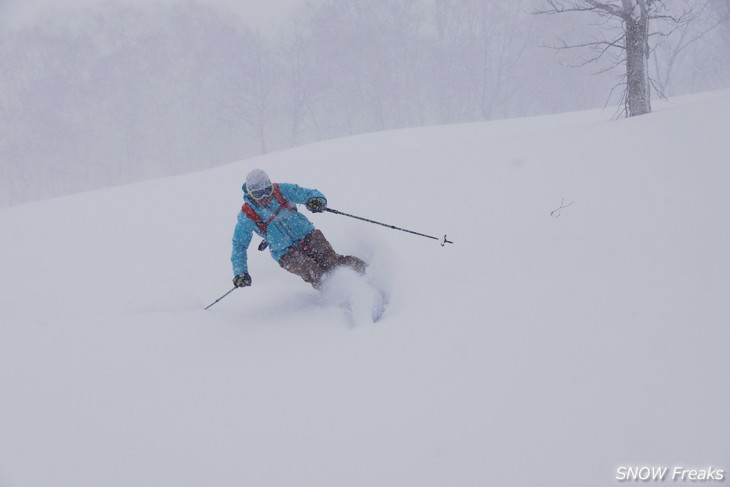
(242, 280)
(316, 205)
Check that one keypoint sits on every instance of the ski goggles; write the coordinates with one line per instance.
(259, 193)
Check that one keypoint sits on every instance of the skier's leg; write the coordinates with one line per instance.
(297, 262)
(321, 250)
(352, 262)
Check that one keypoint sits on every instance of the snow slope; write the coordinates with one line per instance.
(539, 349)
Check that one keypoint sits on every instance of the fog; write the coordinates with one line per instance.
(18, 14)
(98, 94)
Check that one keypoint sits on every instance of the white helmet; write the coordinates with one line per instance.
(258, 184)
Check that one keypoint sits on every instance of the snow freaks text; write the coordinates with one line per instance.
(675, 474)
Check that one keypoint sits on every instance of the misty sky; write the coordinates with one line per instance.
(19, 13)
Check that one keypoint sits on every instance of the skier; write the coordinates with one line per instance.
(270, 211)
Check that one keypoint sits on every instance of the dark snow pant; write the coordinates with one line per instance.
(315, 257)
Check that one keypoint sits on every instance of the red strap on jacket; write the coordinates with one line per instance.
(256, 218)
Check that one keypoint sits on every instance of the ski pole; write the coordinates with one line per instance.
(444, 241)
(226, 294)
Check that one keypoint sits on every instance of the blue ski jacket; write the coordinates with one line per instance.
(283, 233)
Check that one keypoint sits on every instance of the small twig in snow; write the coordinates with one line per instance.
(556, 212)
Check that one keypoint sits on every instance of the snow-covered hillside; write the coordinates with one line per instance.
(542, 348)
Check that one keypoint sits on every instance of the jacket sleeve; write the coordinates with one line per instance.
(241, 240)
(297, 194)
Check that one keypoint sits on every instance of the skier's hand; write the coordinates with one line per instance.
(242, 280)
(316, 205)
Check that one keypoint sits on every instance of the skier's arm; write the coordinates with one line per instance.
(297, 194)
(241, 240)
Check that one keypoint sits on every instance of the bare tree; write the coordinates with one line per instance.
(478, 47)
(296, 77)
(722, 12)
(631, 38)
(670, 49)
(257, 76)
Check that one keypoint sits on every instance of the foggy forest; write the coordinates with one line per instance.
(103, 96)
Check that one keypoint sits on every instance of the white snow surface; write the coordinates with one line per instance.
(538, 349)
